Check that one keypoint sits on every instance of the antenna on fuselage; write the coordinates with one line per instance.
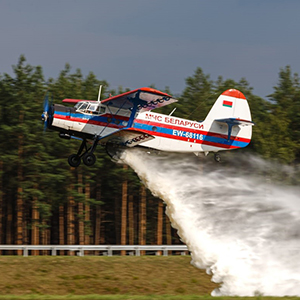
(99, 94)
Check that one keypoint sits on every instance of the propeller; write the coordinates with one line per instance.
(47, 112)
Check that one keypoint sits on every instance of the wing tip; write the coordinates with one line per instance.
(154, 91)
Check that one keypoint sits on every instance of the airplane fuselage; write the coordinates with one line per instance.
(171, 133)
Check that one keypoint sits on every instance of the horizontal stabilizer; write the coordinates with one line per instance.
(129, 137)
(234, 122)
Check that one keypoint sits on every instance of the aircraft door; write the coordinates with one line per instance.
(156, 131)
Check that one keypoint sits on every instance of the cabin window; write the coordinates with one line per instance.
(93, 108)
(101, 109)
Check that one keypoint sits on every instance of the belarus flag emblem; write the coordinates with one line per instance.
(227, 103)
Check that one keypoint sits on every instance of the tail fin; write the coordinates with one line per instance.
(232, 109)
(230, 104)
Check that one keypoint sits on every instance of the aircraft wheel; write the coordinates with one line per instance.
(74, 160)
(217, 157)
(89, 159)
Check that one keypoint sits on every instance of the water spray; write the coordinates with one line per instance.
(240, 223)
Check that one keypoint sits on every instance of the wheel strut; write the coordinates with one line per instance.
(82, 146)
(95, 143)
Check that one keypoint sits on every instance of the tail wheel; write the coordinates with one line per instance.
(74, 160)
(89, 159)
(217, 157)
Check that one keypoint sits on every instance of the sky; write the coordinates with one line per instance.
(136, 43)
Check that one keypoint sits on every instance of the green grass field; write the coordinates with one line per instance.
(64, 275)
(136, 297)
(104, 278)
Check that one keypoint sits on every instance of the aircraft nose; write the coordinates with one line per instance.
(47, 112)
(44, 116)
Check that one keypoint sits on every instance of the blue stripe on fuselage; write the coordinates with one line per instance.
(103, 119)
(175, 134)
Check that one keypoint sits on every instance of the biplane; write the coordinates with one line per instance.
(128, 120)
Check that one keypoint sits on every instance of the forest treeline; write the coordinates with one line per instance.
(45, 201)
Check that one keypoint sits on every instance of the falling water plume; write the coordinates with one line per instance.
(239, 225)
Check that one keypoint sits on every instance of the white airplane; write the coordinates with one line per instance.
(127, 120)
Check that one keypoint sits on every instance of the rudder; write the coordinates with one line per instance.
(230, 104)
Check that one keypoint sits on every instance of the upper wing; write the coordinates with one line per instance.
(128, 137)
(74, 101)
(145, 98)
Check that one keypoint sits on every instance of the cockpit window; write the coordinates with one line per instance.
(90, 108)
(83, 106)
(77, 105)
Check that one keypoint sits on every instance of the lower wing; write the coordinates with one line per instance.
(129, 137)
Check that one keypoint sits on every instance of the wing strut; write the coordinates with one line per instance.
(136, 101)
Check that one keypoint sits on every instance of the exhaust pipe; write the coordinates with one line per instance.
(64, 136)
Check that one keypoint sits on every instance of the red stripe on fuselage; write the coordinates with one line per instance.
(191, 140)
(90, 121)
(192, 130)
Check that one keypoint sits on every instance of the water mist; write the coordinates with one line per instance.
(237, 223)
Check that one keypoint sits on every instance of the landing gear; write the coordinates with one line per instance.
(87, 156)
(89, 159)
(217, 157)
(74, 160)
